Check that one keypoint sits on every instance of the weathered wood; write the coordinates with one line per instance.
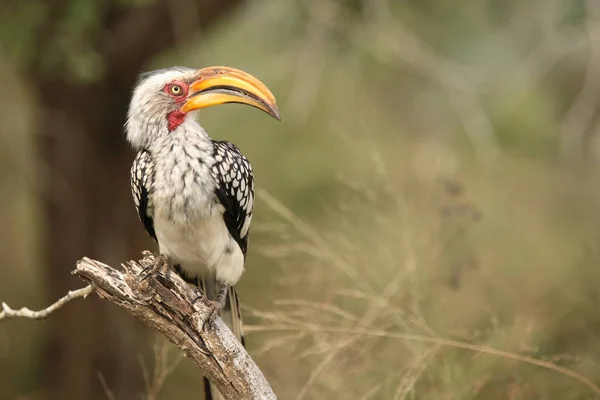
(163, 301)
(24, 312)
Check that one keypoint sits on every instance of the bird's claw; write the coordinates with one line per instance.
(214, 308)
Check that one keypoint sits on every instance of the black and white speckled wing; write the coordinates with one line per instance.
(142, 175)
(235, 190)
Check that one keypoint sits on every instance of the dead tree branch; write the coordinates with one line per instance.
(25, 312)
(163, 301)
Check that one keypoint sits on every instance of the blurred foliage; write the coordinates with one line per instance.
(417, 184)
(58, 39)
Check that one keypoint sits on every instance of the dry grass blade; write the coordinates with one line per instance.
(109, 394)
(413, 373)
(318, 307)
(433, 340)
(318, 369)
(284, 340)
(372, 392)
(312, 235)
(163, 367)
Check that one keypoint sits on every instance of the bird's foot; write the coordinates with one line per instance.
(214, 307)
(160, 262)
(214, 310)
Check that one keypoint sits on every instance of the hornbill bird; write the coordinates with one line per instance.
(195, 195)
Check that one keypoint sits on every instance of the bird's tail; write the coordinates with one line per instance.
(232, 317)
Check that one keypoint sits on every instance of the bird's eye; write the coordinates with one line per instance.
(176, 90)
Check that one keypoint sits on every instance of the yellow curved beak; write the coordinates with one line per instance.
(220, 85)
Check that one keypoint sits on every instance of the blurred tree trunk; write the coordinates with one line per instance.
(86, 213)
(87, 205)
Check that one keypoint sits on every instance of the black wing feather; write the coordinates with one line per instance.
(235, 190)
(142, 175)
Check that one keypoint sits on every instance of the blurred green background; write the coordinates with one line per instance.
(426, 218)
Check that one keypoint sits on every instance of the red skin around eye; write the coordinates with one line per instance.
(176, 117)
(179, 97)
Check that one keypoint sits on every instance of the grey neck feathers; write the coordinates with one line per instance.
(146, 133)
(141, 132)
